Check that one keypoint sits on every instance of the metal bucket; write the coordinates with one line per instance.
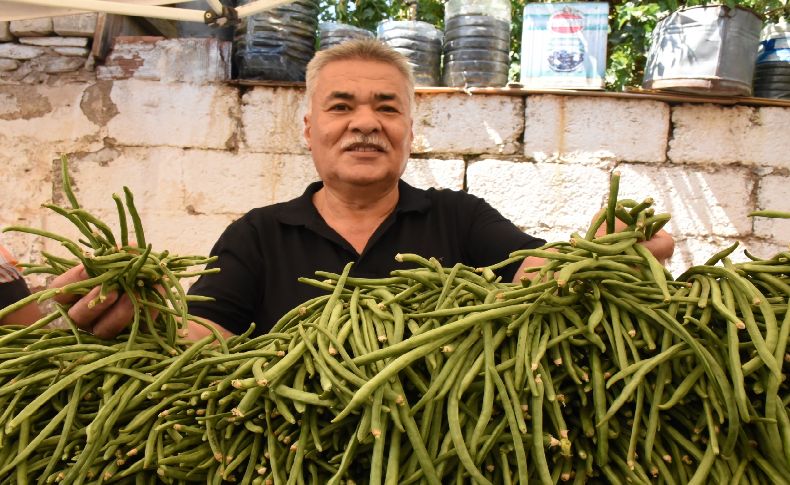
(704, 50)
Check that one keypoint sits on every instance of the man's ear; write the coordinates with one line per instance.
(306, 131)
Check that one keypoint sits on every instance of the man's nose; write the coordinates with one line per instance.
(365, 120)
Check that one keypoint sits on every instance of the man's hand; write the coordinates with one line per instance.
(106, 318)
(661, 245)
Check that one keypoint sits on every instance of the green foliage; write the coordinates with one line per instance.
(630, 26)
(368, 13)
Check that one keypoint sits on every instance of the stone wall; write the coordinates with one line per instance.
(197, 151)
(32, 51)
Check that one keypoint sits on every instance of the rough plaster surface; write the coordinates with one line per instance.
(718, 135)
(46, 115)
(466, 124)
(26, 180)
(271, 120)
(151, 113)
(588, 130)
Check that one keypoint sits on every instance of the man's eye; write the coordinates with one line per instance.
(339, 107)
(388, 109)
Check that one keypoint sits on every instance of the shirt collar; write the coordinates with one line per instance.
(301, 211)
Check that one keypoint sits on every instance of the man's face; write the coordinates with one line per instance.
(359, 127)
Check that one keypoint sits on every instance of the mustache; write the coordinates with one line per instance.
(371, 140)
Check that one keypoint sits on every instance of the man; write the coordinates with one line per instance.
(358, 127)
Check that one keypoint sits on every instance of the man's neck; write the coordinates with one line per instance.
(357, 204)
(355, 218)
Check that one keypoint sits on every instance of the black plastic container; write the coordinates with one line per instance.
(476, 43)
(333, 33)
(420, 43)
(276, 44)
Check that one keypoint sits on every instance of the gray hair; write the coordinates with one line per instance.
(359, 49)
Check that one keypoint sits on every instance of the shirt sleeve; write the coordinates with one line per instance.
(236, 289)
(492, 237)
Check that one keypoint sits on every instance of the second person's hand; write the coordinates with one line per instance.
(104, 318)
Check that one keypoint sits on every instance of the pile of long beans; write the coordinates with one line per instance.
(599, 367)
(65, 394)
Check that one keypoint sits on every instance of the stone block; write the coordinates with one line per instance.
(12, 50)
(47, 117)
(5, 32)
(726, 135)
(548, 200)
(272, 120)
(166, 230)
(692, 251)
(154, 175)
(192, 60)
(592, 129)
(468, 124)
(79, 25)
(71, 51)
(695, 250)
(31, 27)
(55, 64)
(55, 41)
(772, 194)
(178, 114)
(701, 203)
(8, 64)
(440, 174)
(228, 183)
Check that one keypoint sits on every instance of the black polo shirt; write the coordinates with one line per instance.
(262, 254)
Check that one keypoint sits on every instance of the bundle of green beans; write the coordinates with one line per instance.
(600, 367)
(65, 394)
